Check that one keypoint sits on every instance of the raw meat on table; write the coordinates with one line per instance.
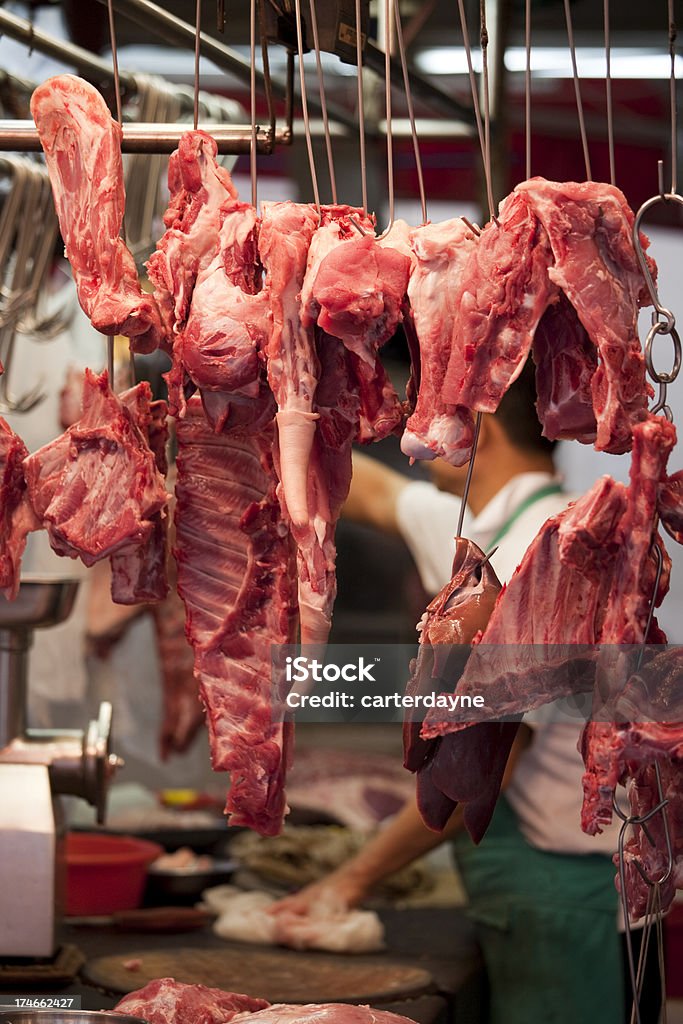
(97, 488)
(166, 1001)
(236, 576)
(325, 1013)
(17, 518)
(82, 146)
(436, 428)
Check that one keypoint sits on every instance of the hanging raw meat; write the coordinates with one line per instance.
(82, 146)
(236, 576)
(17, 518)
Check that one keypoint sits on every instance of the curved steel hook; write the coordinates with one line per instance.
(668, 197)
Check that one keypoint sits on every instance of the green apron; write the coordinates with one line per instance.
(546, 925)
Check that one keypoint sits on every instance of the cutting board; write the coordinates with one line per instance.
(280, 976)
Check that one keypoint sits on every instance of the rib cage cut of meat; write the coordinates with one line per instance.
(594, 263)
(236, 577)
(82, 146)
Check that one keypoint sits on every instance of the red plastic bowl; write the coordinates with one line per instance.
(106, 873)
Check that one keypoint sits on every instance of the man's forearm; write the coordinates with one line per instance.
(402, 841)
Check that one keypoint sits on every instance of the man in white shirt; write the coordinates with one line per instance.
(540, 891)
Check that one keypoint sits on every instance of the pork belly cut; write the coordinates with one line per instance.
(670, 505)
(589, 227)
(566, 361)
(236, 576)
(504, 291)
(82, 146)
(291, 360)
(166, 1001)
(17, 518)
(139, 574)
(96, 488)
(442, 252)
(201, 191)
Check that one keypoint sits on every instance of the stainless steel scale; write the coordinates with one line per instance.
(38, 766)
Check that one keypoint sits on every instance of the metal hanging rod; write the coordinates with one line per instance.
(22, 137)
(97, 70)
(180, 33)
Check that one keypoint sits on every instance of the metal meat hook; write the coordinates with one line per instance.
(663, 319)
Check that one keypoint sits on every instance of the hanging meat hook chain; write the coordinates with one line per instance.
(119, 118)
(663, 319)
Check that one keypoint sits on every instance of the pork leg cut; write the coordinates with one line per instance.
(82, 146)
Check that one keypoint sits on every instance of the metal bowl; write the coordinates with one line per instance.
(57, 1016)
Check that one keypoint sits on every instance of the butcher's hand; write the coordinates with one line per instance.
(399, 843)
(337, 892)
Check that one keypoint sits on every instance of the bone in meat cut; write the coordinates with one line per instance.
(292, 364)
(96, 488)
(566, 361)
(236, 577)
(435, 427)
(504, 291)
(670, 505)
(589, 226)
(201, 190)
(521, 661)
(82, 146)
(166, 1001)
(360, 290)
(329, 480)
(17, 518)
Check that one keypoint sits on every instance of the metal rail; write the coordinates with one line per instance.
(180, 33)
(98, 70)
(141, 137)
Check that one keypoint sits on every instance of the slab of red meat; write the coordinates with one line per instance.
(464, 767)
(138, 574)
(166, 1001)
(436, 428)
(96, 488)
(201, 190)
(325, 1013)
(504, 292)
(523, 661)
(292, 363)
(236, 577)
(82, 147)
(670, 505)
(360, 289)
(334, 230)
(329, 479)
(589, 226)
(17, 518)
(566, 361)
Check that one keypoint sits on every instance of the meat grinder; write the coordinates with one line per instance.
(37, 766)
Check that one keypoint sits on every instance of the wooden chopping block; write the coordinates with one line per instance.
(280, 976)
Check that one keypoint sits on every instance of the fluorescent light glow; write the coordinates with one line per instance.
(555, 62)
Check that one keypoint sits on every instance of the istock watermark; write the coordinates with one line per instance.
(464, 685)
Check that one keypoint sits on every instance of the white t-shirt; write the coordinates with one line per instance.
(545, 791)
